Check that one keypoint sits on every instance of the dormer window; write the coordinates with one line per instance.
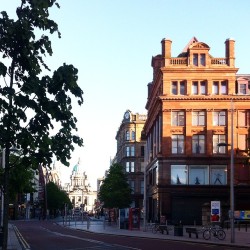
(242, 89)
(202, 59)
(199, 59)
(195, 59)
(242, 86)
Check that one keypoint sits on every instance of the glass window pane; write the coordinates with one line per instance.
(174, 88)
(243, 89)
(198, 175)
(177, 144)
(202, 118)
(127, 135)
(198, 144)
(198, 118)
(219, 118)
(181, 119)
(133, 135)
(127, 151)
(215, 118)
(132, 167)
(218, 175)
(127, 166)
(216, 140)
(174, 118)
(215, 88)
(195, 88)
(182, 88)
(222, 118)
(132, 150)
(178, 118)
(203, 59)
(223, 88)
(195, 59)
(203, 88)
(178, 174)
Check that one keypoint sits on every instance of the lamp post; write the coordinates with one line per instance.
(5, 193)
(231, 215)
(144, 200)
(2, 192)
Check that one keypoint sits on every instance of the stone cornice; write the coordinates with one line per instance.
(206, 97)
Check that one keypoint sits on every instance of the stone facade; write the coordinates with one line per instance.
(79, 190)
(130, 153)
(196, 102)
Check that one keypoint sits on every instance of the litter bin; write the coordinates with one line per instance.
(178, 230)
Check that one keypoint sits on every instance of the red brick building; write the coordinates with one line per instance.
(191, 101)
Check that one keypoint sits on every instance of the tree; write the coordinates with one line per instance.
(56, 198)
(21, 180)
(36, 109)
(115, 191)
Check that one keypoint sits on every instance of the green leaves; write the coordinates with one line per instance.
(36, 109)
(3, 69)
(115, 191)
(56, 198)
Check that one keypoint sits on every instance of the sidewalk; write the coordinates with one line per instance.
(242, 237)
(13, 239)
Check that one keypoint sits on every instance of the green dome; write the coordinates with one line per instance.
(76, 168)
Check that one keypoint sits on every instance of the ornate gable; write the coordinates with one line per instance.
(199, 45)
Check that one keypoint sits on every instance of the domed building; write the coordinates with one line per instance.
(79, 189)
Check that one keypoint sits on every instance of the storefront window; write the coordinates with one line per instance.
(198, 175)
(218, 175)
(178, 174)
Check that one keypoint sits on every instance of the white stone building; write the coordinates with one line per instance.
(79, 190)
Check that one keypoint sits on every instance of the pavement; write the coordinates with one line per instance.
(242, 235)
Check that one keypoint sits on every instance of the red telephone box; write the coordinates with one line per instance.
(134, 218)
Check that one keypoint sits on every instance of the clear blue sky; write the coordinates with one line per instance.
(112, 42)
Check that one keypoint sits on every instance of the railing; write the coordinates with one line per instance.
(178, 61)
(218, 61)
(184, 61)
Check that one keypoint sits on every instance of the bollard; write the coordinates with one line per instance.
(88, 223)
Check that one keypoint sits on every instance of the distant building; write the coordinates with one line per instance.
(79, 189)
(130, 153)
(54, 175)
(194, 102)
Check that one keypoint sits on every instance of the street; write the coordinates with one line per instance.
(48, 235)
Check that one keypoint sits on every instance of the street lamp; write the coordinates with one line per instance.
(231, 215)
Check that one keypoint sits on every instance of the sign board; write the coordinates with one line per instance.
(215, 211)
(242, 215)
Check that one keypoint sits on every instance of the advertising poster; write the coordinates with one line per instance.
(215, 211)
(242, 215)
